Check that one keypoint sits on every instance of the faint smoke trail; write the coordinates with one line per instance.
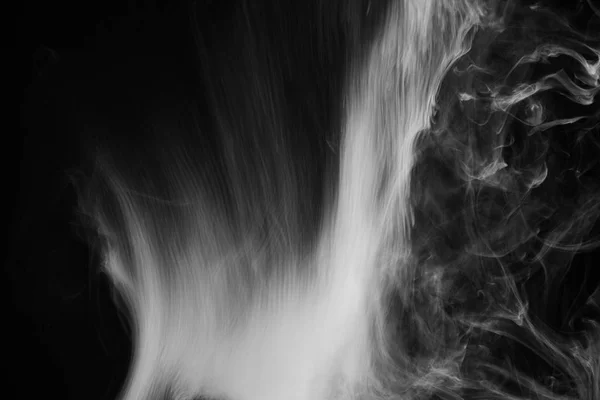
(448, 212)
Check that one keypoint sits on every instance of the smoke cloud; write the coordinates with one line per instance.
(401, 228)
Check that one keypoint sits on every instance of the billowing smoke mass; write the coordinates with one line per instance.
(353, 200)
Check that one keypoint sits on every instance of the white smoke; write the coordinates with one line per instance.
(223, 304)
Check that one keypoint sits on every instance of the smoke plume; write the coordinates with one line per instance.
(381, 200)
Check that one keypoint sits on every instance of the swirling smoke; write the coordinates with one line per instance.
(403, 230)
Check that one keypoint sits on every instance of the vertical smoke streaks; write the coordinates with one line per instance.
(445, 219)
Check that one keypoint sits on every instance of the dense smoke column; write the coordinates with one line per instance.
(209, 218)
(402, 227)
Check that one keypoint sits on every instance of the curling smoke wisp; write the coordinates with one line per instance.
(408, 242)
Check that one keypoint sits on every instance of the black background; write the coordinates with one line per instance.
(82, 63)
